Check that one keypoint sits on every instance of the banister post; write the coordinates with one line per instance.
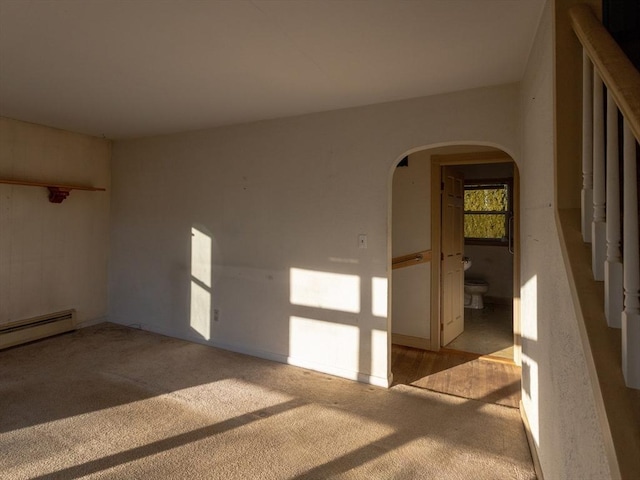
(598, 227)
(613, 290)
(587, 147)
(631, 266)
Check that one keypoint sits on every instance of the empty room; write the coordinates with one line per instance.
(317, 239)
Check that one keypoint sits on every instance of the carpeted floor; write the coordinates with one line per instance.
(113, 402)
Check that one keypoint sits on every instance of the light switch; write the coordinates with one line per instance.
(362, 241)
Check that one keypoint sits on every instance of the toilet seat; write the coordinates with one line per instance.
(476, 283)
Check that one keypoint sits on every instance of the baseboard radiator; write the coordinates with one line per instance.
(23, 331)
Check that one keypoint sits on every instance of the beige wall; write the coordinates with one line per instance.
(556, 392)
(411, 227)
(275, 209)
(52, 256)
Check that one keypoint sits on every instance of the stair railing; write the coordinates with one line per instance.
(605, 66)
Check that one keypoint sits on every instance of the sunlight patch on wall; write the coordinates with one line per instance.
(200, 318)
(530, 379)
(201, 310)
(379, 353)
(201, 257)
(379, 295)
(329, 291)
(325, 343)
(529, 306)
(530, 395)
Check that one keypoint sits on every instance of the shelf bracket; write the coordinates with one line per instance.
(58, 194)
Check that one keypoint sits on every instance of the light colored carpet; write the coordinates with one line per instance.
(113, 402)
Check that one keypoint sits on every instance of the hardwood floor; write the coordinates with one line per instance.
(490, 380)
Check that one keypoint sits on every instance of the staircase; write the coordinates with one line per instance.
(608, 74)
(600, 241)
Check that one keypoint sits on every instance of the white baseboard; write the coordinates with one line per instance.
(91, 322)
(532, 444)
(410, 341)
(498, 300)
(275, 357)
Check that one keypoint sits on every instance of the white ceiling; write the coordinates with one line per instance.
(128, 68)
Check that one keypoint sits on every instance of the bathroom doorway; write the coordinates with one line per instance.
(419, 356)
(491, 317)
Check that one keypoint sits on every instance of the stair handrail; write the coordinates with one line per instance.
(618, 73)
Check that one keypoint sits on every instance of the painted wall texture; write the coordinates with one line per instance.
(53, 257)
(411, 232)
(275, 209)
(557, 394)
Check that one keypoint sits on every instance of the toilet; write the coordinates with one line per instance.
(473, 291)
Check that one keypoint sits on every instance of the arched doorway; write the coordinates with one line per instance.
(417, 287)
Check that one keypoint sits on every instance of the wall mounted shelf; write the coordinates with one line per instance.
(57, 192)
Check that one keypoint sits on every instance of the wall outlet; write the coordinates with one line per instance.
(362, 241)
(216, 314)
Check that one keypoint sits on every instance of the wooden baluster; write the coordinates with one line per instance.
(631, 263)
(598, 227)
(613, 293)
(587, 147)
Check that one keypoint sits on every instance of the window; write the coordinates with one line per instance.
(487, 210)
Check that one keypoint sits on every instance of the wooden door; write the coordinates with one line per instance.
(452, 247)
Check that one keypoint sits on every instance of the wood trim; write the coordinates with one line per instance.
(57, 192)
(497, 156)
(436, 249)
(411, 341)
(617, 72)
(51, 185)
(411, 259)
(517, 325)
(489, 181)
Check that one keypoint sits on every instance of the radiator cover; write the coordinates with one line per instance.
(23, 331)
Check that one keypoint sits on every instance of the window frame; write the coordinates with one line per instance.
(483, 184)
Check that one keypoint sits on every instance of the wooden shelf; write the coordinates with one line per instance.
(57, 192)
